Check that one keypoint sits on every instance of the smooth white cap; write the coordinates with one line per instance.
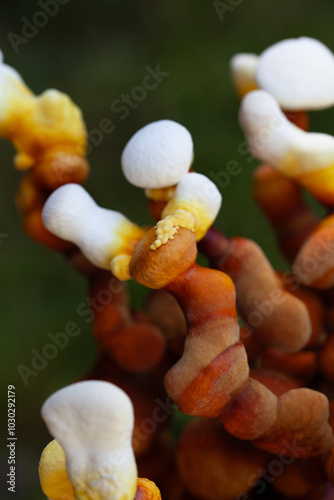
(272, 138)
(243, 67)
(157, 155)
(71, 214)
(93, 422)
(299, 73)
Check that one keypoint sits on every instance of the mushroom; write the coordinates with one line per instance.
(157, 158)
(214, 465)
(133, 342)
(298, 72)
(47, 130)
(93, 423)
(195, 205)
(158, 155)
(306, 157)
(211, 379)
(199, 197)
(277, 318)
(101, 234)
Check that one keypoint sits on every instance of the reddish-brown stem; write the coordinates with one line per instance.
(277, 318)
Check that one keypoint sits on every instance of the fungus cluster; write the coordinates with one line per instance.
(243, 349)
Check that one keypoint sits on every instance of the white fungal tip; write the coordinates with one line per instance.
(264, 125)
(158, 155)
(273, 139)
(93, 422)
(299, 73)
(71, 214)
(243, 67)
(67, 210)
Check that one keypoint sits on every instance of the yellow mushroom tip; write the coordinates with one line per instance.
(120, 267)
(168, 227)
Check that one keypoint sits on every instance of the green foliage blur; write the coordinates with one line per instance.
(98, 52)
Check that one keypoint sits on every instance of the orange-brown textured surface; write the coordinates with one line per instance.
(282, 201)
(278, 383)
(251, 413)
(300, 477)
(156, 268)
(214, 465)
(277, 318)
(59, 168)
(207, 299)
(252, 345)
(147, 490)
(314, 263)
(213, 388)
(302, 424)
(315, 306)
(134, 345)
(164, 311)
(301, 365)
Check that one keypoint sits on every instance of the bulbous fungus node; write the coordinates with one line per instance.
(101, 234)
(47, 130)
(307, 157)
(93, 423)
(297, 72)
(157, 155)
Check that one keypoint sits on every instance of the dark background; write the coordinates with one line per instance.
(95, 52)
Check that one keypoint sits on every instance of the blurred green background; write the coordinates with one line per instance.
(95, 52)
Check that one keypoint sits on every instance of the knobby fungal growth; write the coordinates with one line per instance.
(92, 423)
(244, 350)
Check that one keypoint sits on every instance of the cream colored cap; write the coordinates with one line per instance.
(71, 214)
(158, 155)
(299, 73)
(93, 422)
(272, 138)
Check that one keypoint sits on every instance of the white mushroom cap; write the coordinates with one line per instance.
(199, 196)
(93, 422)
(273, 139)
(158, 155)
(299, 73)
(243, 67)
(71, 214)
